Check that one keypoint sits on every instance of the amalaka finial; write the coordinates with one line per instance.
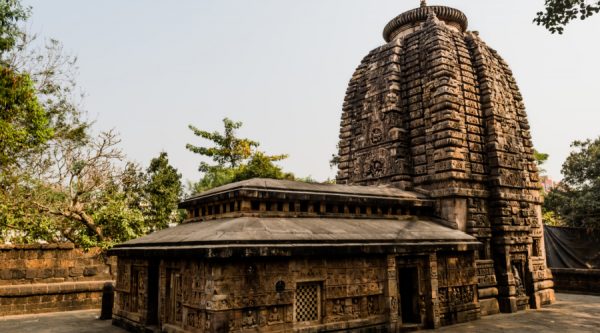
(423, 3)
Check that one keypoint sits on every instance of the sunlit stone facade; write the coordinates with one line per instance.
(434, 220)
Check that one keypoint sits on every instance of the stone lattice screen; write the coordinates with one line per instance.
(51, 277)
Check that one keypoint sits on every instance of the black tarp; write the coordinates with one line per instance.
(572, 247)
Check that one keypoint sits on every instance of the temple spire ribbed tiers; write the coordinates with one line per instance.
(438, 111)
(413, 19)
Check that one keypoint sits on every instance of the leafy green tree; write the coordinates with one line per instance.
(24, 124)
(262, 166)
(558, 13)
(548, 217)
(235, 159)
(11, 13)
(93, 202)
(229, 150)
(58, 181)
(118, 219)
(162, 191)
(540, 159)
(85, 179)
(214, 176)
(577, 199)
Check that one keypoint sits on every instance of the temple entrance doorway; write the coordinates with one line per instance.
(408, 288)
(152, 306)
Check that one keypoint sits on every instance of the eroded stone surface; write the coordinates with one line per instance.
(444, 227)
(39, 278)
(437, 110)
(273, 255)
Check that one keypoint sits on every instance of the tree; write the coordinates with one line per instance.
(214, 176)
(90, 200)
(58, 181)
(236, 159)
(24, 124)
(86, 193)
(577, 199)
(540, 159)
(262, 166)
(558, 13)
(11, 13)
(229, 150)
(162, 191)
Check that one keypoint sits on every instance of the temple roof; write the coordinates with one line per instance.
(264, 232)
(257, 187)
(316, 188)
(419, 15)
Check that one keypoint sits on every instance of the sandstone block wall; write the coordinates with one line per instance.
(437, 110)
(274, 294)
(585, 281)
(51, 277)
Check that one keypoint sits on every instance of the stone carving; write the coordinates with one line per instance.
(462, 129)
(373, 305)
(275, 315)
(355, 313)
(249, 319)
(141, 289)
(518, 281)
(207, 321)
(376, 169)
(393, 305)
(338, 307)
(376, 135)
(191, 319)
(124, 276)
(455, 296)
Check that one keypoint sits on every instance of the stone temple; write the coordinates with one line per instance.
(435, 218)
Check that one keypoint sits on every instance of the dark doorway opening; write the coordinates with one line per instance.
(409, 295)
(152, 306)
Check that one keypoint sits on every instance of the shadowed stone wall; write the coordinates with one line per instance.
(585, 281)
(281, 294)
(50, 277)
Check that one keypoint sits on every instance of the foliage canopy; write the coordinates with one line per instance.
(235, 158)
(558, 13)
(58, 180)
(576, 200)
(24, 124)
(162, 192)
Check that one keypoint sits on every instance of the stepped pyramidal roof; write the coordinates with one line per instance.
(438, 109)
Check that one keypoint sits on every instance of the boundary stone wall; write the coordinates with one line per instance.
(584, 281)
(51, 277)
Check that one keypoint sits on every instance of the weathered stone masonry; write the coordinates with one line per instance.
(438, 111)
(233, 295)
(276, 256)
(435, 218)
(50, 277)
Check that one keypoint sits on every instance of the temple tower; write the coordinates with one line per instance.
(436, 110)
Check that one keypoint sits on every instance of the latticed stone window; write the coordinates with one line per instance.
(308, 301)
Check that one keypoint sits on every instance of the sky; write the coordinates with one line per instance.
(151, 68)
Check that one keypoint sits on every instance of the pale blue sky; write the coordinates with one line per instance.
(150, 68)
